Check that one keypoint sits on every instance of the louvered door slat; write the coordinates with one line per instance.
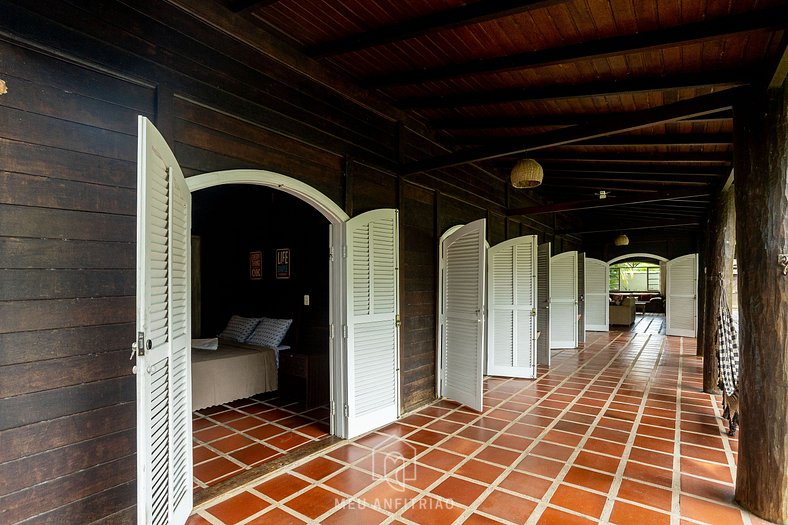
(373, 334)
(462, 314)
(164, 465)
(543, 304)
(511, 281)
(597, 279)
(563, 300)
(681, 311)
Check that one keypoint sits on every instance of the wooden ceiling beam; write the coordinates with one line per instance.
(461, 15)
(571, 119)
(738, 77)
(635, 169)
(717, 157)
(694, 33)
(650, 225)
(674, 139)
(639, 119)
(591, 204)
(601, 178)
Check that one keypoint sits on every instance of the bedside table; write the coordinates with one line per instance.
(304, 377)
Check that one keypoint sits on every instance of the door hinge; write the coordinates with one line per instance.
(331, 331)
(344, 252)
(333, 407)
(347, 410)
(344, 331)
(331, 254)
(398, 321)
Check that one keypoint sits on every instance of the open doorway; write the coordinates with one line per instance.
(257, 253)
(637, 294)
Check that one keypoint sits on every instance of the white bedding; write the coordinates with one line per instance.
(231, 371)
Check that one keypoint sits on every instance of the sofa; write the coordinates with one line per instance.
(623, 314)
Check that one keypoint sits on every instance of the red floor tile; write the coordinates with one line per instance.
(230, 443)
(460, 445)
(500, 456)
(282, 486)
(649, 474)
(526, 484)
(287, 441)
(479, 471)
(589, 479)
(355, 514)
(389, 496)
(507, 506)
(625, 514)
(459, 490)
(238, 507)
(597, 462)
(558, 517)
(428, 511)
(349, 453)
(215, 469)
(254, 454)
(350, 481)
(540, 466)
(578, 500)
(645, 494)
(318, 468)
(315, 502)
(440, 459)
(708, 512)
(277, 516)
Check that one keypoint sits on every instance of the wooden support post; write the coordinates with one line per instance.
(719, 247)
(761, 171)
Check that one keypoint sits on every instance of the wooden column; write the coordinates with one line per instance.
(719, 251)
(761, 171)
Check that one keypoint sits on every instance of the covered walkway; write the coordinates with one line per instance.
(618, 431)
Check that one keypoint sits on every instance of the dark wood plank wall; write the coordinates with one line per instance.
(67, 210)
(67, 284)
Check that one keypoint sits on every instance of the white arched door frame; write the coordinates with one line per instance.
(636, 255)
(336, 217)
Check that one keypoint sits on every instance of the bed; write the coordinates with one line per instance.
(240, 363)
(231, 371)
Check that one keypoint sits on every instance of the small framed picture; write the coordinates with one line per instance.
(283, 263)
(255, 266)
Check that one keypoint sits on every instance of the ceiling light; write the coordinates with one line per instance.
(621, 240)
(527, 173)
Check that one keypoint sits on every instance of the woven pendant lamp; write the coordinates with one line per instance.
(621, 240)
(527, 173)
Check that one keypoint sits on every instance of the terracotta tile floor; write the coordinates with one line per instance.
(231, 438)
(615, 432)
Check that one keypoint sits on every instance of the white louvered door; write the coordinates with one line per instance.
(163, 367)
(511, 307)
(563, 300)
(373, 320)
(682, 308)
(597, 279)
(462, 314)
(543, 304)
(581, 298)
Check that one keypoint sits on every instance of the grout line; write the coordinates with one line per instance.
(543, 503)
(618, 477)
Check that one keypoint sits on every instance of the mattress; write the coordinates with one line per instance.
(233, 371)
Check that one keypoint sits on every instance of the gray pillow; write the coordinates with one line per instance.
(238, 328)
(269, 332)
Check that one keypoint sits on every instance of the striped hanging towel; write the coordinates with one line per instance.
(727, 348)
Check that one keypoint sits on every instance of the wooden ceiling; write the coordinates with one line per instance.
(632, 97)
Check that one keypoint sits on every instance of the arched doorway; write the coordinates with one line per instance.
(337, 218)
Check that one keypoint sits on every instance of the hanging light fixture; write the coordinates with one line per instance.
(621, 240)
(527, 173)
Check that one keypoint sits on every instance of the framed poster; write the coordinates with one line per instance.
(283, 263)
(255, 266)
